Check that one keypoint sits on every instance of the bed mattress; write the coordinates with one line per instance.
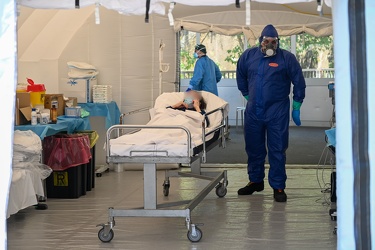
(171, 150)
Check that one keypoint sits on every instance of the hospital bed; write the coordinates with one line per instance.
(189, 151)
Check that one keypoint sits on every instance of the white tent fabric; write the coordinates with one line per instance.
(222, 16)
(348, 235)
(232, 22)
(289, 19)
(133, 7)
(136, 7)
(8, 69)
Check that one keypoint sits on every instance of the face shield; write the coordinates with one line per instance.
(269, 45)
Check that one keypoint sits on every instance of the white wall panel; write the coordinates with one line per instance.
(316, 109)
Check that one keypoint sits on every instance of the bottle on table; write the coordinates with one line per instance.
(34, 117)
(53, 114)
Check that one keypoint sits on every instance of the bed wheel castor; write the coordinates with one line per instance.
(197, 236)
(166, 186)
(105, 238)
(221, 191)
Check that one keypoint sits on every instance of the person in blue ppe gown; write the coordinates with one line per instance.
(206, 72)
(264, 77)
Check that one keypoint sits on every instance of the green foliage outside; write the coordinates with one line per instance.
(312, 52)
(187, 60)
(234, 54)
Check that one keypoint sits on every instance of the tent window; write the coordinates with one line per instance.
(315, 54)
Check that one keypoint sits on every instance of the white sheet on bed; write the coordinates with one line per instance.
(162, 139)
(172, 141)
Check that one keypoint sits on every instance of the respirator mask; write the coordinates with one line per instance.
(269, 45)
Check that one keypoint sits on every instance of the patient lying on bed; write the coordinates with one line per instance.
(188, 113)
(172, 109)
(194, 101)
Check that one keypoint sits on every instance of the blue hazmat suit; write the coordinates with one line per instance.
(206, 75)
(267, 82)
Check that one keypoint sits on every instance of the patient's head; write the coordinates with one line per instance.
(194, 95)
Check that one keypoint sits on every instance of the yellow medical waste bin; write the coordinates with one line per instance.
(37, 92)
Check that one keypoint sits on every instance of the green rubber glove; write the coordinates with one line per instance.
(246, 97)
(296, 105)
(296, 113)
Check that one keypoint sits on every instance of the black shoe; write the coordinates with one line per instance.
(279, 195)
(251, 187)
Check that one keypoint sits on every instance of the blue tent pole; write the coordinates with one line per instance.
(370, 24)
(355, 103)
(8, 73)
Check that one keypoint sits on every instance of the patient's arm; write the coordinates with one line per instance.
(180, 104)
(196, 104)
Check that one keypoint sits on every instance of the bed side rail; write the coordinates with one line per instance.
(132, 112)
(220, 127)
(118, 128)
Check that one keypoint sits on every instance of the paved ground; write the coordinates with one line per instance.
(233, 222)
(306, 145)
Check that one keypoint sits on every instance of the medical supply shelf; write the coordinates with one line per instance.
(64, 124)
(111, 114)
(110, 111)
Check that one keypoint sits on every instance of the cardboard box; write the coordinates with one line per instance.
(58, 99)
(80, 88)
(23, 109)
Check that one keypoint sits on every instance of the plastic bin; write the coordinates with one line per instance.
(37, 92)
(93, 135)
(68, 156)
(65, 184)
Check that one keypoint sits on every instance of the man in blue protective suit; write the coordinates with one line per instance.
(206, 72)
(264, 77)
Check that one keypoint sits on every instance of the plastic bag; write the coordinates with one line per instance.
(65, 151)
(27, 142)
(41, 169)
(93, 136)
(25, 157)
(27, 147)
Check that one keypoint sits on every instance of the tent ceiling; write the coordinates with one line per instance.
(289, 19)
(181, 10)
(54, 26)
(45, 33)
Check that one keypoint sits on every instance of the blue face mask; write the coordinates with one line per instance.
(189, 101)
(195, 55)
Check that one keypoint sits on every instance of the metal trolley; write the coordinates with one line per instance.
(218, 180)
